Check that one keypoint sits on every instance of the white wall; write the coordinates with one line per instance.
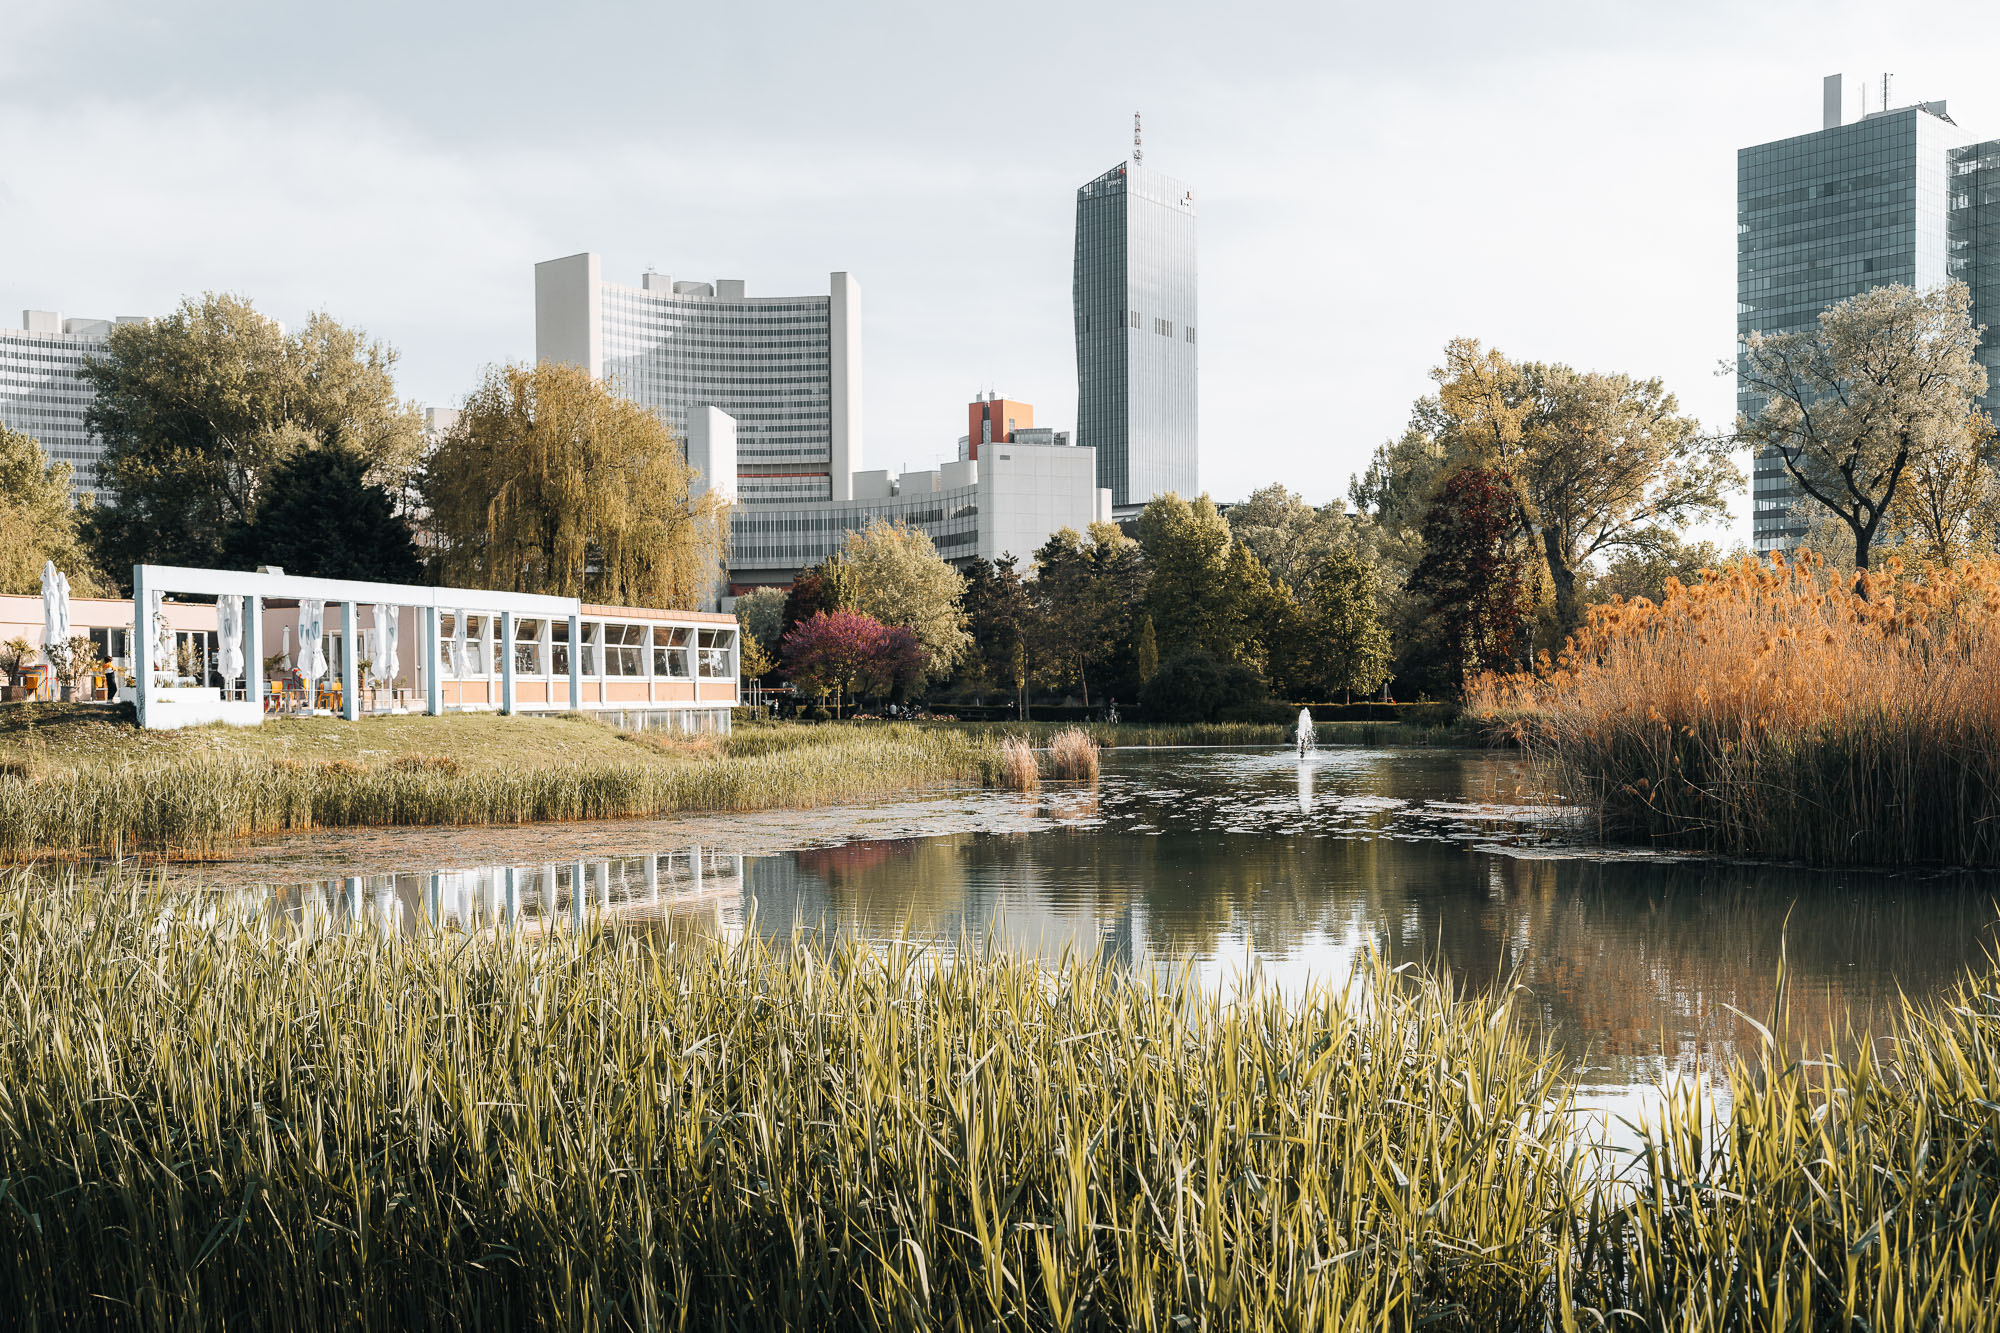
(1029, 492)
(711, 450)
(844, 364)
(569, 306)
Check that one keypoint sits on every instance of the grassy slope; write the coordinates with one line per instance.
(73, 782)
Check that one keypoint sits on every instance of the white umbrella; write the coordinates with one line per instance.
(55, 609)
(229, 636)
(460, 667)
(312, 643)
(160, 644)
(386, 626)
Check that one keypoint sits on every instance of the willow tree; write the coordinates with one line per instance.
(550, 483)
(39, 521)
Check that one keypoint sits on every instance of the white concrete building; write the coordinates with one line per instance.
(786, 369)
(1007, 502)
(40, 394)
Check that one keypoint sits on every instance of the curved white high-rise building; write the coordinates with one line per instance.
(785, 369)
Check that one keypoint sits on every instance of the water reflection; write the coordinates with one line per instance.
(1216, 862)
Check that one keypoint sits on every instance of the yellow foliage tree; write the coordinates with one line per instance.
(39, 521)
(550, 483)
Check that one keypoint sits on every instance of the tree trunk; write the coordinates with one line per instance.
(1863, 539)
(1568, 615)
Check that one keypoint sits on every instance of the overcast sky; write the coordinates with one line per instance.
(1557, 179)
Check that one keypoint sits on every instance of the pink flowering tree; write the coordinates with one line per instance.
(842, 653)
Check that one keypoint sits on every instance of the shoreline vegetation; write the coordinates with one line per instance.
(1767, 710)
(76, 782)
(213, 1121)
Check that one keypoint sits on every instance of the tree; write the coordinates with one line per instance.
(754, 659)
(1346, 638)
(821, 587)
(996, 611)
(1146, 654)
(846, 653)
(1195, 687)
(897, 577)
(761, 613)
(1643, 571)
(1598, 463)
(551, 483)
(1084, 593)
(40, 522)
(1288, 536)
(197, 409)
(322, 518)
(1885, 384)
(1469, 580)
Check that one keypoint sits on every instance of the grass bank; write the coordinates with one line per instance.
(73, 783)
(1768, 711)
(207, 1126)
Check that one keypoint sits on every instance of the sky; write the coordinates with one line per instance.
(1555, 179)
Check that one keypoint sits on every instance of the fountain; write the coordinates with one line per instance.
(1305, 736)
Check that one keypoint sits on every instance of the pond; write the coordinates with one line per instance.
(1224, 864)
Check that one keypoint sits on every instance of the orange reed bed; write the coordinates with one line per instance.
(1769, 710)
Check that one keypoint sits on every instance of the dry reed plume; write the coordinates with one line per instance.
(1073, 756)
(1768, 710)
(1018, 769)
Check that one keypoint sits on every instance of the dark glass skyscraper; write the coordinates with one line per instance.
(1133, 300)
(1825, 216)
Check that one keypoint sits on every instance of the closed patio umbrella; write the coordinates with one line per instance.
(229, 636)
(312, 642)
(55, 608)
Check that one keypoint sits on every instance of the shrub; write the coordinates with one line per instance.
(1194, 687)
(1073, 755)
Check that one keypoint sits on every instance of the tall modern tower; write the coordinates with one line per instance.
(784, 372)
(1133, 301)
(1859, 204)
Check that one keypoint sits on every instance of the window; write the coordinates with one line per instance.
(1164, 327)
(715, 653)
(593, 648)
(1135, 319)
(624, 650)
(1190, 333)
(670, 652)
(527, 647)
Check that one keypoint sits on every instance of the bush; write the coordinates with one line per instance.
(1194, 687)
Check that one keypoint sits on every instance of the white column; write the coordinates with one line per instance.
(350, 632)
(253, 651)
(506, 662)
(142, 642)
(576, 663)
(433, 683)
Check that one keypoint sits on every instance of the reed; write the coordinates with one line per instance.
(196, 802)
(1767, 710)
(1018, 769)
(210, 1123)
(1072, 756)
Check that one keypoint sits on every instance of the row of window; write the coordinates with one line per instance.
(542, 648)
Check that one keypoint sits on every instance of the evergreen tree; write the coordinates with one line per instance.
(323, 519)
(1146, 654)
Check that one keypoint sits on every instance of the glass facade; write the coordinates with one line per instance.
(40, 396)
(1133, 298)
(766, 362)
(1975, 248)
(794, 536)
(1824, 216)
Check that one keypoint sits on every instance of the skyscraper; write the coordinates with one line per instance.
(40, 394)
(785, 369)
(1827, 215)
(1133, 303)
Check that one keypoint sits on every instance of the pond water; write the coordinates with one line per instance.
(1224, 862)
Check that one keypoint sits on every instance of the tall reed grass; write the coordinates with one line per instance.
(1072, 756)
(209, 1123)
(1018, 769)
(197, 803)
(1768, 710)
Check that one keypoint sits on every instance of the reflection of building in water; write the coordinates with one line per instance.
(572, 893)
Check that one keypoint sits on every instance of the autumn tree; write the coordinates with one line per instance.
(1598, 463)
(40, 521)
(1884, 386)
(198, 408)
(1644, 571)
(896, 576)
(825, 586)
(1469, 582)
(551, 483)
(847, 653)
(1289, 537)
(761, 613)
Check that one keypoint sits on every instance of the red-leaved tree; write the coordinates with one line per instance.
(845, 653)
(1474, 596)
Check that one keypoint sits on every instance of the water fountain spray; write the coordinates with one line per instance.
(1305, 736)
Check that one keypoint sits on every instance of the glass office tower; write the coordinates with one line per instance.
(1974, 227)
(1133, 302)
(1824, 216)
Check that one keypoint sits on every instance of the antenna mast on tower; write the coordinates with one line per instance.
(1138, 151)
